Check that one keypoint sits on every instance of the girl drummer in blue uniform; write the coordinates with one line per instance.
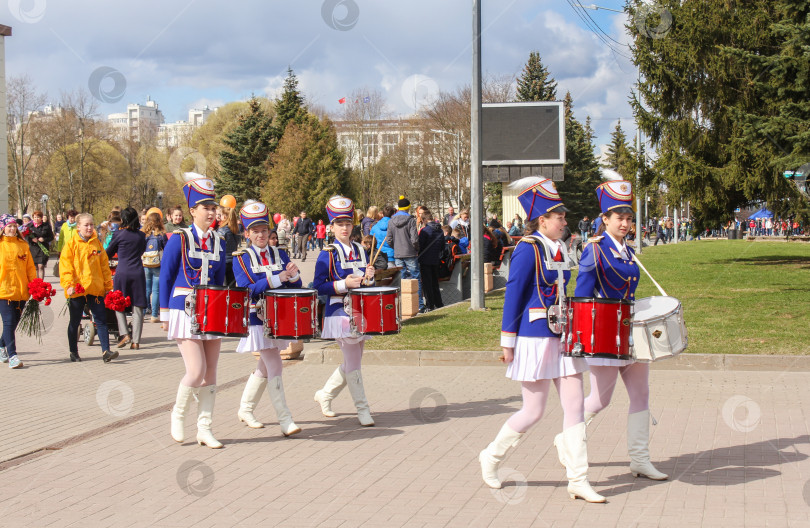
(530, 340)
(193, 256)
(607, 270)
(262, 267)
(341, 267)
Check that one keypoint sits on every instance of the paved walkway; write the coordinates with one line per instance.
(99, 452)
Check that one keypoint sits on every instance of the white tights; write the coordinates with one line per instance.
(535, 394)
(269, 365)
(636, 378)
(200, 357)
(352, 354)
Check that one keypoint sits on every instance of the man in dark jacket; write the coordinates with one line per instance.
(403, 238)
(304, 228)
(431, 244)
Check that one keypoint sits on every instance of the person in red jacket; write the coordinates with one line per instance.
(320, 234)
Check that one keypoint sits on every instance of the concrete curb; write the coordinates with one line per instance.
(436, 358)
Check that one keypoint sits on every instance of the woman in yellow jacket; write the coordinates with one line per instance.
(84, 261)
(16, 271)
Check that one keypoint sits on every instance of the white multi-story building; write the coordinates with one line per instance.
(139, 121)
(364, 142)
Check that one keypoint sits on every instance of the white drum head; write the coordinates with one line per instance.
(376, 289)
(652, 307)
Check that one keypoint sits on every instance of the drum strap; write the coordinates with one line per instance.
(358, 250)
(257, 268)
(194, 251)
(640, 265)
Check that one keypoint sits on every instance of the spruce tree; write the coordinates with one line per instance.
(581, 169)
(536, 83)
(248, 147)
(290, 106)
(306, 169)
(619, 155)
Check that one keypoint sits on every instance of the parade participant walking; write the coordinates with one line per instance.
(129, 243)
(84, 263)
(16, 271)
(262, 267)
(193, 256)
(39, 238)
(607, 270)
(530, 346)
(340, 268)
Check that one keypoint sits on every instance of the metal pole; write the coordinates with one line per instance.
(476, 182)
(640, 218)
(458, 170)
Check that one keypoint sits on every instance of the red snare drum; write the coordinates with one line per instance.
(289, 313)
(219, 310)
(373, 311)
(598, 328)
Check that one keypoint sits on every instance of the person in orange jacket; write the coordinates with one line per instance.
(16, 271)
(84, 262)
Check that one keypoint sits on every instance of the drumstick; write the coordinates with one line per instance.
(377, 254)
(640, 265)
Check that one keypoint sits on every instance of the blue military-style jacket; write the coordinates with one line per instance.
(333, 267)
(531, 289)
(603, 272)
(250, 273)
(184, 265)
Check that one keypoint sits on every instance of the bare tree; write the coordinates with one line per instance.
(23, 102)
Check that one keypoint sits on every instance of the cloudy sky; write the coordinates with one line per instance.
(188, 53)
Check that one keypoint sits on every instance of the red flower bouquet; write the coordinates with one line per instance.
(31, 318)
(116, 301)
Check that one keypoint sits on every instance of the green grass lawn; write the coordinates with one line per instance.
(739, 297)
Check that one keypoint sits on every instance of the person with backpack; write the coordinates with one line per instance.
(155, 242)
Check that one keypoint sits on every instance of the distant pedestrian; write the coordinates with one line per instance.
(39, 237)
(403, 238)
(303, 229)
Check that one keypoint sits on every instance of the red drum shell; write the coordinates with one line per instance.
(375, 310)
(290, 313)
(594, 325)
(221, 311)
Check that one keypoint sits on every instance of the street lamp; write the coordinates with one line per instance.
(639, 223)
(458, 162)
(160, 200)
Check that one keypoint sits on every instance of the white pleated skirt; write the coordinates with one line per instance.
(180, 327)
(606, 362)
(538, 358)
(337, 326)
(256, 340)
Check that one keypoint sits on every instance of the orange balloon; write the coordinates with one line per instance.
(228, 201)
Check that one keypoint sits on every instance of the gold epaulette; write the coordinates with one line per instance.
(177, 231)
(595, 239)
(528, 240)
(238, 252)
(329, 247)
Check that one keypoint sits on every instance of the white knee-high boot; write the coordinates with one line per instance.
(558, 440)
(205, 411)
(330, 390)
(359, 396)
(181, 405)
(250, 397)
(638, 446)
(576, 464)
(491, 457)
(275, 387)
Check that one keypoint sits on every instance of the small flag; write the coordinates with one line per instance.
(356, 101)
(342, 100)
(366, 99)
